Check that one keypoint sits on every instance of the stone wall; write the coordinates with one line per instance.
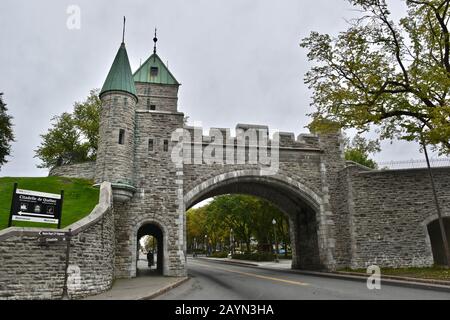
(162, 96)
(32, 270)
(85, 170)
(388, 214)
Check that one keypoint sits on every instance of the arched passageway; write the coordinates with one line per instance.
(437, 246)
(302, 210)
(154, 231)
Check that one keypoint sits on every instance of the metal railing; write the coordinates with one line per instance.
(411, 164)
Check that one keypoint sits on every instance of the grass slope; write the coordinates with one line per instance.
(79, 198)
(435, 272)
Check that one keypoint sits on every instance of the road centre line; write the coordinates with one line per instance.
(299, 283)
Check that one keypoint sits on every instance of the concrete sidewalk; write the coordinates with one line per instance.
(147, 285)
(140, 288)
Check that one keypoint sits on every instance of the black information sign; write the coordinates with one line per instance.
(35, 206)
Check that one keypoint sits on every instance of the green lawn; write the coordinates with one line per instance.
(436, 272)
(79, 198)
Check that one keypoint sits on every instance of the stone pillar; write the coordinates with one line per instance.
(331, 163)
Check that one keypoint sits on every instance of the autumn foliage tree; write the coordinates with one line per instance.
(393, 75)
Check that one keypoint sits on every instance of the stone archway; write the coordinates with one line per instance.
(153, 230)
(435, 239)
(430, 248)
(156, 229)
(302, 206)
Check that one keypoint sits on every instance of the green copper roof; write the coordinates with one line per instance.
(161, 76)
(120, 77)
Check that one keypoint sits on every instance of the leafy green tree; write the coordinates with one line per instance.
(236, 212)
(248, 216)
(147, 243)
(6, 133)
(359, 149)
(196, 226)
(283, 232)
(394, 75)
(86, 116)
(73, 137)
(61, 144)
(263, 230)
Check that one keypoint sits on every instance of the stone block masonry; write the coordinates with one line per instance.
(31, 270)
(85, 170)
(389, 211)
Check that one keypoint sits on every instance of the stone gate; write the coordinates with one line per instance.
(331, 225)
(152, 168)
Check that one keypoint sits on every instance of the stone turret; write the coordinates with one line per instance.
(115, 156)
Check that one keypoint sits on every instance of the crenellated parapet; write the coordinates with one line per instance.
(253, 135)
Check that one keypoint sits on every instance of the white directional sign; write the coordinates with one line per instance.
(36, 206)
(35, 219)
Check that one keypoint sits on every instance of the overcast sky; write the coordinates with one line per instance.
(238, 61)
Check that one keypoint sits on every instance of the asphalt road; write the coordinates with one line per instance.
(212, 280)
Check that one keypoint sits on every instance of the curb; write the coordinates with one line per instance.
(165, 289)
(429, 284)
(403, 282)
(390, 277)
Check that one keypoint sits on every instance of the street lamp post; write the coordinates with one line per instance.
(231, 242)
(206, 244)
(274, 222)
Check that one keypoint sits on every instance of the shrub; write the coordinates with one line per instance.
(259, 256)
(219, 254)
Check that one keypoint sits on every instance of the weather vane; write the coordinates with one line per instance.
(123, 32)
(155, 39)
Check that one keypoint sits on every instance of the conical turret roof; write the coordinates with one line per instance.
(120, 77)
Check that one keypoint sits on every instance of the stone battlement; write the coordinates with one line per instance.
(254, 132)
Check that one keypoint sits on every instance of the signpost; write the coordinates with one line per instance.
(42, 207)
(35, 206)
